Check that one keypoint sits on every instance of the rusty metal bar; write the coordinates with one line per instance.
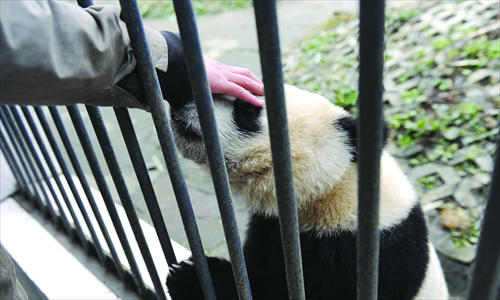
(371, 56)
(270, 57)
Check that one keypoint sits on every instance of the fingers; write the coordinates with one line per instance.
(247, 83)
(237, 91)
(245, 72)
(234, 81)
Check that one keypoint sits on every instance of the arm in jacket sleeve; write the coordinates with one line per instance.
(55, 53)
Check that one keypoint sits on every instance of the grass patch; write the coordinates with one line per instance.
(164, 8)
(430, 182)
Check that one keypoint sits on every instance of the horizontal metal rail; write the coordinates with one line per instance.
(371, 66)
(270, 60)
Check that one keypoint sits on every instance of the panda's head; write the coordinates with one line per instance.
(323, 140)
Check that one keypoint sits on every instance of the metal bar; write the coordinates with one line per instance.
(12, 130)
(37, 198)
(81, 176)
(86, 188)
(371, 56)
(203, 99)
(85, 3)
(486, 273)
(34, 153)
(88, 149)
(144, 180)
(132, 17)
(69, 180)
(121, 187)
(270, 58)
(55, 175)
(14, 166)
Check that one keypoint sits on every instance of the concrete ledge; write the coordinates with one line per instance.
(59, 268)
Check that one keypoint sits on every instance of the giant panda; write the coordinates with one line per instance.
(323, 144)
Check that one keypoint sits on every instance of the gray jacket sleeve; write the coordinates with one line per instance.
(55, 53)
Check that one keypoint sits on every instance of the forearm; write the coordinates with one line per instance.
(54, 53)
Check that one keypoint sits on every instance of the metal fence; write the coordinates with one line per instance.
(22, 142)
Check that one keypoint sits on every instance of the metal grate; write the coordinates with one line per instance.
(50, 196)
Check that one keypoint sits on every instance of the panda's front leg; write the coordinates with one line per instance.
(183, 282)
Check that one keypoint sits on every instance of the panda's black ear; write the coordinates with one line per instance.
(350, 126)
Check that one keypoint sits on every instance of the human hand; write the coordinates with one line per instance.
(234, 81)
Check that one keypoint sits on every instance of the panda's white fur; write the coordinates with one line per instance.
(325, 185)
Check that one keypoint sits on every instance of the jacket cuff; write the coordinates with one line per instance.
(175, 84)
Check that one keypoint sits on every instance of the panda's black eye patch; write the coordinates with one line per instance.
(247, 117)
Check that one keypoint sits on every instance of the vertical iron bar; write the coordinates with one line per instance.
(142, 174)
(14, 166)
(132, 17)
(86, 188)
(48, 160)
(270, 58)
(83, 180)
(15, 144)
(121, 187)
(88, 149)
(11, 127)
(34, 153)
(486, 273)
(203, 99)
(69, 179)
(371, 56)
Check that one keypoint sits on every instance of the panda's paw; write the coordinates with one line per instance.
(181, 270)
(182, 281)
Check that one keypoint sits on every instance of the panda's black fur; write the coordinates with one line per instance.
(329, 259)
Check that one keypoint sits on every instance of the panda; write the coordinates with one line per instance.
(323, 145)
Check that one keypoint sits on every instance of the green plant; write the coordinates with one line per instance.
(418, 160)
(463, 240)
(469, 167)
(403, 15)
(413, 124)
(442, 43)
(430, 182)
(444, 152)
(164, 8)
(413, 96)
(346, 97)
(444, 84)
